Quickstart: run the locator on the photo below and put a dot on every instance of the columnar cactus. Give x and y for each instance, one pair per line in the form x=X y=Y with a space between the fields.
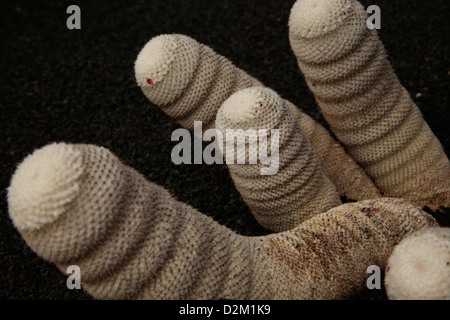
x=346 y=67
x=297 y=189
x=189 y=82
x=419 y=267
x=80 y=205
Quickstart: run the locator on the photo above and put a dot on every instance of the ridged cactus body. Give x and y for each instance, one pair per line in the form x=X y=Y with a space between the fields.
x=190 y=82
x=346 y=67
x=297 y=187
x=133 y=240
x=347 y=176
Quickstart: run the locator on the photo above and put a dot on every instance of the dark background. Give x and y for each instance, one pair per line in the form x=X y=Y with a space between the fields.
x=78 y=86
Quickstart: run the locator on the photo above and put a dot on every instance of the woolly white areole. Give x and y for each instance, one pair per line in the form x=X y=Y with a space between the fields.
x=419 y=267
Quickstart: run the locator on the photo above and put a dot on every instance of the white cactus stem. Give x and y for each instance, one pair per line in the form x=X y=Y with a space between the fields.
x=299 y=189
x=346 y=67
x=132 y=240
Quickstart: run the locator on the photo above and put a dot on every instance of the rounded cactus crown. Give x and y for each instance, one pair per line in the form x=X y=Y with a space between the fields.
x=251 y=108
x=419 y=267
x=165 y=66
x=155 y=60
x=44 y=184
x=312 y=18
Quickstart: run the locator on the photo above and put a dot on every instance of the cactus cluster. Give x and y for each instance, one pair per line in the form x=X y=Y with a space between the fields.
x=78 y=204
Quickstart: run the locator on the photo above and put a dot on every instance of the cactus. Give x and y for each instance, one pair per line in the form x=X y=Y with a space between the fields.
x=419 y=267
x=80 y=205
x=299 y=189
x=189 y=82
x=346 y=68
